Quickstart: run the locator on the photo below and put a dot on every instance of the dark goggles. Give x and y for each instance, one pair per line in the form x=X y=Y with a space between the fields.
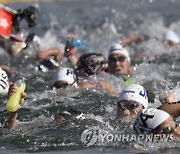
x=168 y=130
x=171 y=43
x=130 y=106
x=119 y=59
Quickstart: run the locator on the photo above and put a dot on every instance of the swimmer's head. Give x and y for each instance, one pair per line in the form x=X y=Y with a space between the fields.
x=64 y=77
x=171 y=38
x=134 y=92
x=68 y=115
x=31 y=15
x=148 y=120
x=167 y=97
x=4 y=83
x=92 y=63
x=119 y=60
x=117 y=48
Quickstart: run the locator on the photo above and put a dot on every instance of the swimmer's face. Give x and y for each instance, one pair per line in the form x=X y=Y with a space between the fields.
x=170 y=43
x=128 y=109
x=60 y=84
x=59 y=119
x=118 y=64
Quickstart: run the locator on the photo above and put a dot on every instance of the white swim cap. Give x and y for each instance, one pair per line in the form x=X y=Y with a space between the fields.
x=66 y=74
x=149 y=119
x=117 y=48
x=4 y=83
x=172 y=36
x=135 y=92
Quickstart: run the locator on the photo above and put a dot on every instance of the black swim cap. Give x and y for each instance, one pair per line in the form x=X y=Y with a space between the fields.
x=92 y=63
x=31 y=15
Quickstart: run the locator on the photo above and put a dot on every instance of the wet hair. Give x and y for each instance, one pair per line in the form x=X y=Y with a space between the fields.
x=92 y=63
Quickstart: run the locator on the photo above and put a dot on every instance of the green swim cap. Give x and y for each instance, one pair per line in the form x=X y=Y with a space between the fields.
x=128 y=81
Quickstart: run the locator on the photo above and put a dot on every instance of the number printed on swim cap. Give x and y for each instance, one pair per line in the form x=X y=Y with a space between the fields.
x=69 y=72
x=4 y=84
x=143 y=93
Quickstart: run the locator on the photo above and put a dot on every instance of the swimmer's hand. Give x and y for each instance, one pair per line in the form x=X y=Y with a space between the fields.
x=11 y=121
x=68 y=51
x=13 y=89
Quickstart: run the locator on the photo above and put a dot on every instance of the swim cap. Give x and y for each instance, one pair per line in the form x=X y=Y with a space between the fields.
x=92 y=63
x=117 y=48
x=66 y=74
x=31 y=15
x=4 y=83
x=136 y=93
x=172 y=36
x=149 y=119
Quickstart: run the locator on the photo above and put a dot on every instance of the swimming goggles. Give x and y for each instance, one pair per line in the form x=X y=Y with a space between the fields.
x=119 y=59
x=130 y=106
x=168 y=130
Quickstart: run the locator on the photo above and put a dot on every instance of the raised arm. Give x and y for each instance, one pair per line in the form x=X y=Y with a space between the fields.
x=69 y=50
x=133 y=39
x=11 y=121
x=54 y=52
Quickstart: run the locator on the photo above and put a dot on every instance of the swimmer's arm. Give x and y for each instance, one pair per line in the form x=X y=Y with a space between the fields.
x=103 y=85
x=132 y=39
x=172 y=108
x=69 y=50
x=11 y=121
x=54 y=52
x=108 y=88
x=85 y=85
x=73 y=60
